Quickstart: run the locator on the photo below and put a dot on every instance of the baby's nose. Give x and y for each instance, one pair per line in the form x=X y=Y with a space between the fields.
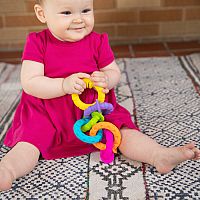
x=77 y=20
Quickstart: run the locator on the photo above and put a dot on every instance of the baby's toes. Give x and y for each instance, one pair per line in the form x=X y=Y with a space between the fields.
x=190 y=145
x=196 y=154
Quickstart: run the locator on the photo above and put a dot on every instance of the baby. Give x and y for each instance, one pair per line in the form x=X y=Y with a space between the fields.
x=54 y=62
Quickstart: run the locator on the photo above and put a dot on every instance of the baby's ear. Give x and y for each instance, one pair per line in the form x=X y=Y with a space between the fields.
x=39 y=13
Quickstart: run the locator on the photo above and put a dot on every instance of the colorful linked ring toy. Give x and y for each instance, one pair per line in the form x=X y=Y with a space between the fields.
x=104 y=107
x=107 y=155
x=96 y=117
x=82 y=136
x=89 y=84
x=111 y=127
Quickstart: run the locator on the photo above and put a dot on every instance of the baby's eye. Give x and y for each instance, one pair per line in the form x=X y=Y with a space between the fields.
x=66 y=13
x=86 y=10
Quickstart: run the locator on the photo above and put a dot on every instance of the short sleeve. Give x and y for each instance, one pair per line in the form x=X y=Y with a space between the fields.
x=34 y=48
x=105 y=53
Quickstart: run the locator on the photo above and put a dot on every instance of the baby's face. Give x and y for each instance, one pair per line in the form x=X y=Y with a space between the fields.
x=69 y=20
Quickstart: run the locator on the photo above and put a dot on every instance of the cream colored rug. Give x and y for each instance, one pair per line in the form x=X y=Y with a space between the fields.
x=163 y=97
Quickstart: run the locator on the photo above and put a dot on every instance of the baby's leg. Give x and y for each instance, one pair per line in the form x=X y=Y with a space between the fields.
x=19 y=161
x=138 y=146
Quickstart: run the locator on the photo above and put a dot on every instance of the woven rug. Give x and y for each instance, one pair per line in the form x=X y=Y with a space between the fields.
x=167 y=99
x=163 y=97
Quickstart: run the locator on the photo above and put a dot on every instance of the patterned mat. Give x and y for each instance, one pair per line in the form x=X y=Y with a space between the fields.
x=10 y=91
x=162 y=95
x=167 y=101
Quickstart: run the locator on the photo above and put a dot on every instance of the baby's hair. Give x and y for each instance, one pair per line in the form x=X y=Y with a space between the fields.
x=38 y=1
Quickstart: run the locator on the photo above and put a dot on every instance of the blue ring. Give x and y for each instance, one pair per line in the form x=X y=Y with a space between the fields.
x=82 y=136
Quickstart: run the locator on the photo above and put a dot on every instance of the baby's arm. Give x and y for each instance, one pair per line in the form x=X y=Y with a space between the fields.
x=108 y=77
x=36 y=84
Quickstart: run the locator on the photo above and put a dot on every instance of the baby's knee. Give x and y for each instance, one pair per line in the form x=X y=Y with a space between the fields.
x=6 y=178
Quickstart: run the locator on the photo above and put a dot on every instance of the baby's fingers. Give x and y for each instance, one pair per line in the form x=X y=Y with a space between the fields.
x=100 y=84
x=81 y=83
x=97 y=74
x=105 y=91
x=98 y=79
x=78 y=89
x=83 y=75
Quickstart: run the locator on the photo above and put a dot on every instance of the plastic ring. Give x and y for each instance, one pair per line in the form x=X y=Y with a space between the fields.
x=82 y=136
x=111 y=127
x=89 y=84
x=96 y=117
x=105 y=107
x=107 y=155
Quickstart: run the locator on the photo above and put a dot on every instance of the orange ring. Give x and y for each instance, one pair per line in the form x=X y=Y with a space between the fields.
x=111 y=127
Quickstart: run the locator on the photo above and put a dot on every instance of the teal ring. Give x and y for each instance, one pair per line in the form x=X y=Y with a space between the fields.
x=82 y=136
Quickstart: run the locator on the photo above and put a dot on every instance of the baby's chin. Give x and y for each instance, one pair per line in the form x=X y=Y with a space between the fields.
x=76 y=39
x=70 y=39
x=78 y=36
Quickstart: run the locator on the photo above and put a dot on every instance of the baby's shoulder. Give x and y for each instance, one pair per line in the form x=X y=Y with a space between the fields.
x=97 y=35
x=38 y=37
x=98 y=38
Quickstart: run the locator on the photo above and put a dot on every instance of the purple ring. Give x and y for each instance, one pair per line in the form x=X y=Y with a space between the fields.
x=105 y=108
x=98 y=106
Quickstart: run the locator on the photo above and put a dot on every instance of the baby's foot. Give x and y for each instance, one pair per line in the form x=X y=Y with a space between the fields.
x=168 y=158
x=6 y=179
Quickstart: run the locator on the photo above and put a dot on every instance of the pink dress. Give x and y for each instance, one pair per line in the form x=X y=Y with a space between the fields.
x=48 y=123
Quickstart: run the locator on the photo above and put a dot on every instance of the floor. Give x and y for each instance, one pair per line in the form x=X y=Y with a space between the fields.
x=157 y=49
x=131 y=51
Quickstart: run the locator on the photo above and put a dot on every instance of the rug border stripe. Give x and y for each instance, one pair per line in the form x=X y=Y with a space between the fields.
x=189 y=73
x=136 y=123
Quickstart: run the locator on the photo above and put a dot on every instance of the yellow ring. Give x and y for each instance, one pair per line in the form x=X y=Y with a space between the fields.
x=89 y=84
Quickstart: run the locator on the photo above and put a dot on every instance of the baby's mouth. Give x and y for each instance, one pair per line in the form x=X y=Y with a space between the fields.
x=77 y=29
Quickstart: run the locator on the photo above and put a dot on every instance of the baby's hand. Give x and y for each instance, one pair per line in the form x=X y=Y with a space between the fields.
x=74 y=84
x=100 y=79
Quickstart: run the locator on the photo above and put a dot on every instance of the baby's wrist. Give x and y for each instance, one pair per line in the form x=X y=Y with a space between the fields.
x=106 y=80
x=63 y=88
